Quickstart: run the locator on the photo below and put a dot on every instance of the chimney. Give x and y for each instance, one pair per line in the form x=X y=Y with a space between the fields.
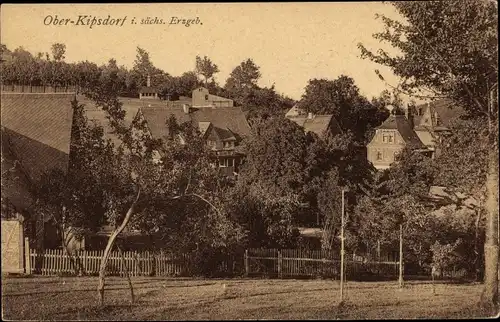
x=185 y=108
x=149 y=81
x=310 y=115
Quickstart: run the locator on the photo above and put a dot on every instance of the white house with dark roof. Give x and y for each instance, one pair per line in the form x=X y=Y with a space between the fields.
x=390 y=138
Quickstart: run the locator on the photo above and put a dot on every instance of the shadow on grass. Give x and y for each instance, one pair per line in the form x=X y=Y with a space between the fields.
x=97 y=312
x=124 y=287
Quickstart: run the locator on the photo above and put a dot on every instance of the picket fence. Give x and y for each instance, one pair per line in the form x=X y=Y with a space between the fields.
x=57 y=261
x=38 y=89
x=313 y=263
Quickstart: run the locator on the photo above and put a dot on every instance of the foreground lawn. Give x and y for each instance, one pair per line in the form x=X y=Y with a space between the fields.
x=73 y=298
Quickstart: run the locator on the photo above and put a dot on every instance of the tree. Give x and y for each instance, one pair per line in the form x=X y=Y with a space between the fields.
x=341 y=98
x=265 y=102
x=205 y=67
x=462 y=166
x=137 y=187
x=58 y=51
x=276 y=156
x=143 y=67
x=243 y=78
x=450 y=48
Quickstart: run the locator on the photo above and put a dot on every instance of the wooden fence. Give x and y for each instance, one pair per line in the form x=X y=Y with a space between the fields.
x=39 y=89
x=57 y=261
x=312 y=263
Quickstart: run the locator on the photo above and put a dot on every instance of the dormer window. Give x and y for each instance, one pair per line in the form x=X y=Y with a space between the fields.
x=388 y=137
x=211 y=144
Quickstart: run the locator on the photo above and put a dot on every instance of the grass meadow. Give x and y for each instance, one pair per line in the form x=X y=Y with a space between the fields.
x=74 y=298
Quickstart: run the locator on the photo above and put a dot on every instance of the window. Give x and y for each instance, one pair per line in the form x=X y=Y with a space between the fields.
x=211 y=144
x=379 y=155
x=228 y=145
x=206 y=97
x=223 y=163
x=388 y=137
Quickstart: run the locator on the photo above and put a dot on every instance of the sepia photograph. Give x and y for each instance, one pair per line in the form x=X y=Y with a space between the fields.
x=249 y=161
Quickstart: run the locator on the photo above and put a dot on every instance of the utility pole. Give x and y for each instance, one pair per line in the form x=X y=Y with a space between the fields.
x=400 y=255
x=342 y=250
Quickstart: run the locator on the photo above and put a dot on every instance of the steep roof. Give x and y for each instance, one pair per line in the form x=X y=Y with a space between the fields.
x=203 y=127
x=401 y=124
x=36 y=131
x=229 y=121
x=156 y=118
x=46 y=118
x=318 y=123
x=97 y=116
x=231 y=118
x=447 y=110
x=294 y=111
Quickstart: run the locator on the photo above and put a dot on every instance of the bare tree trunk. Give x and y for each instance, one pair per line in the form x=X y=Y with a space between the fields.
x=109 y=246
x=476 y=244
x=132 y=297
x=489 y=297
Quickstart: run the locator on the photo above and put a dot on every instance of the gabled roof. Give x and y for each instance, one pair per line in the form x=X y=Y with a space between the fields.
x=231 y=118
x=318 y=123
x=229 y=122
x=401 y=124
x=294 y=111
x=447 y=110
x=203 y=127
x=46 y=118
x=156 y=118
x=36 y=131
x=225 y=134
x=99 y=117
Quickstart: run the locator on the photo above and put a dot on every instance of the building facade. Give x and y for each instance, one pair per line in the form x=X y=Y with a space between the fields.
x=434 y=122
x=390 y=138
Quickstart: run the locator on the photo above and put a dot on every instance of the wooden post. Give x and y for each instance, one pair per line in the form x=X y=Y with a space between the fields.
x=342 y=250
x=280 y=259
x=247 y=268
x=400 y=255
x=378 y=250
x=27 y=256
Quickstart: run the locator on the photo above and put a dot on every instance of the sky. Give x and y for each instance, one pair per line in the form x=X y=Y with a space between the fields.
x=290 y=42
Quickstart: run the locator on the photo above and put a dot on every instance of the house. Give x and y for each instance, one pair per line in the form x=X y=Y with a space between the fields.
x=36 y=132
x=200 y=97
x=434 y=121
x=222 y=128
x=222 y=125
x=319 y=124
x=148 y=92
x=390 y=138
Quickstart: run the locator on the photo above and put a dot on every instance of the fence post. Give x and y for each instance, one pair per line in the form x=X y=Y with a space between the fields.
x=280 y=259
x=247 y=268
x=27 y=256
